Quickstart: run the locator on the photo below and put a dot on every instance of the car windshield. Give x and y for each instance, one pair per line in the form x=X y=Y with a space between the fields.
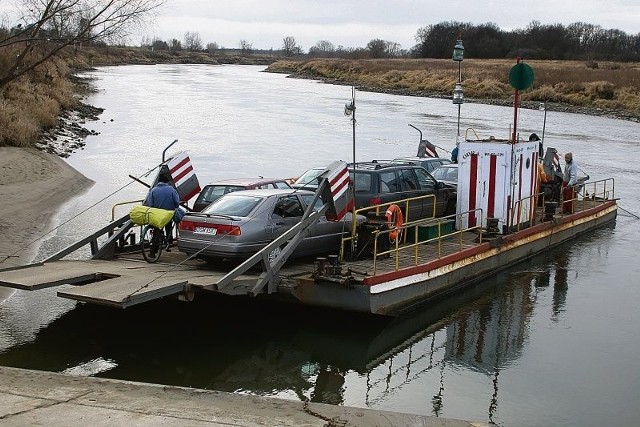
x=445 y=174
x=214 y=192
x=309 y=176
x=233 y=205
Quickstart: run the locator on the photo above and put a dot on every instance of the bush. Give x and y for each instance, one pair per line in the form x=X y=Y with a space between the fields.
x=601 y=90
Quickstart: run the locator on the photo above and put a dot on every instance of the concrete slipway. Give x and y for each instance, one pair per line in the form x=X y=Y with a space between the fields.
x=32 y=398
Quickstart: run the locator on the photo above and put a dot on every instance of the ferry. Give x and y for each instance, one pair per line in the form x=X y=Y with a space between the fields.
x=503 y=216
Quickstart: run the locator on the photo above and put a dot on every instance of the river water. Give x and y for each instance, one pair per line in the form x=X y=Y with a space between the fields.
x=552 y=341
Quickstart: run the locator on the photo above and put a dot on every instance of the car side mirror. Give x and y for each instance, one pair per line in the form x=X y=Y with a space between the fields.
x=440 y=185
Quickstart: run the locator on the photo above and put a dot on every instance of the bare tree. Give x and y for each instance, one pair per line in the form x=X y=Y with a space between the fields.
x=212 y=47
x=379 y=48
x=175 y=45
x=192 y=41
x=246 y=47
x=322 y=48
x=51 y=25
x=290 y=47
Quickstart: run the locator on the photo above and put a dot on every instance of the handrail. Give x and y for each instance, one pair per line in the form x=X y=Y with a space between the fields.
x=472 y=130
x=405 y=202
x=417 y=243
x=601 y=193
x=113 y=208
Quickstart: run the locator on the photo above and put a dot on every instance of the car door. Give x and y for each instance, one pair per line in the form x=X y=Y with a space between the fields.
x=429 y=185
x=324 y=235
x=287 y=212
x=410 y=189
x=390 y=186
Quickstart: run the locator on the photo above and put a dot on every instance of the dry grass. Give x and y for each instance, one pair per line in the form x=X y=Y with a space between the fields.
x=33 y=102
x=606 y=85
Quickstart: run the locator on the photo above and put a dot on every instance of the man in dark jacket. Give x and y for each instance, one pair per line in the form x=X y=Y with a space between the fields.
x=164 y=196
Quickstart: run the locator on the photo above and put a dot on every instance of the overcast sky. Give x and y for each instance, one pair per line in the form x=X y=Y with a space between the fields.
x=264 y=23
x=354 y=23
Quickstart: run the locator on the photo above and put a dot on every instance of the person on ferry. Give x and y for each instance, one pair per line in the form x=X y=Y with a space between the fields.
x=164 y=196
x=569 y=180
x=454 y=153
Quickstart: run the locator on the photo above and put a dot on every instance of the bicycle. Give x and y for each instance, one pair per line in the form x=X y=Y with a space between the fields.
x=152 y=242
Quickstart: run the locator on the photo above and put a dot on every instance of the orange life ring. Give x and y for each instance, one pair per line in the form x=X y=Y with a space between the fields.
x=395 y=219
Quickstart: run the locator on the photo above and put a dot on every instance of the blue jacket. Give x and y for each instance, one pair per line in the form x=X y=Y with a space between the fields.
x=454 y=155
x=162 y=196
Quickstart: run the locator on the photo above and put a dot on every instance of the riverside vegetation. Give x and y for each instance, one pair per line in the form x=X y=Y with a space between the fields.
x=599 y=88
x=41 y=101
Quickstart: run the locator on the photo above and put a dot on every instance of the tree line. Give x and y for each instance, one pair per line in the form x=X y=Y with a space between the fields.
x=48 y=26
x=576 y=41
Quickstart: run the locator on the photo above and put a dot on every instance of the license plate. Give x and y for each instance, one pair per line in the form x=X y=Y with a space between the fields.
x=206 y=230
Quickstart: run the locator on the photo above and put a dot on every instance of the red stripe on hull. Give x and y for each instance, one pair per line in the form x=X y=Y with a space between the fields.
x=492 y=186
x=473 y=178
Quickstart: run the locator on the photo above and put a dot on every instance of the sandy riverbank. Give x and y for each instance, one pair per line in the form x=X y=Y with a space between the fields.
x=33 y=186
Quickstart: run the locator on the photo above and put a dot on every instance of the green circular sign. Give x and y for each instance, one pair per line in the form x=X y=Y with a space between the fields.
x=521 y=76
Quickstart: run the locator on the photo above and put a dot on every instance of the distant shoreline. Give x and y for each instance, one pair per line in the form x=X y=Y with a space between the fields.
x=484 y=82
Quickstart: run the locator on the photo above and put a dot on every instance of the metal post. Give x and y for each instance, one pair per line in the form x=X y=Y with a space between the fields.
x=459 y=105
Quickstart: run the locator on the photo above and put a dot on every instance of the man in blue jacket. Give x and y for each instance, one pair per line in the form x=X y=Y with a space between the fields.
x=164 y=196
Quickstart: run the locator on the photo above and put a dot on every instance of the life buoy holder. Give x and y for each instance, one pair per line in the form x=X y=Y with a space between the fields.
x=395 y=220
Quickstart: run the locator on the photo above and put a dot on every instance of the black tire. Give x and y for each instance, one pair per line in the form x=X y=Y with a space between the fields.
x=151 y=243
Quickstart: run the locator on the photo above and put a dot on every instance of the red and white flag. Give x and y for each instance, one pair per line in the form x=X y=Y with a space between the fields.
x=339 y=197
x=183 y=176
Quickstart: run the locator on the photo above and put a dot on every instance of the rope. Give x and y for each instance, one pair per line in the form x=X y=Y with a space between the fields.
x=630 y=213
x=14 y=254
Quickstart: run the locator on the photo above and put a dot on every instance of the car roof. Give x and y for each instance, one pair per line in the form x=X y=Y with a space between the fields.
x=422 y=160
x=375 y=165
x=246 y=181
x=266 y=192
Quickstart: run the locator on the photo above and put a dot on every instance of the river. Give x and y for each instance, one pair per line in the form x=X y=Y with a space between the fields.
x=552 y=341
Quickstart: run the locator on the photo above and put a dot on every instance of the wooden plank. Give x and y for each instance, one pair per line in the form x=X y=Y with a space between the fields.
x=124 y=292
x=48 y=275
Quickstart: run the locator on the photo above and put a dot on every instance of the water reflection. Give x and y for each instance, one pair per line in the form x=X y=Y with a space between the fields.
x=325 y=356
x=270 y=350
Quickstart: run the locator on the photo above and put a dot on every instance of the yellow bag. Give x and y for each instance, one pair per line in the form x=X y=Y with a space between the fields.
x=143 y=215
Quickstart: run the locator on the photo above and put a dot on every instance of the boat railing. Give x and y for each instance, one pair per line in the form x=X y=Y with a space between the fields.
x=113 y=208
x=524 y=206
x=589 y=195
x=440 y=228
x=380 y=210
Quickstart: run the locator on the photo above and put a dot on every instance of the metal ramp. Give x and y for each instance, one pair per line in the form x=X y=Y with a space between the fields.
x=117 y=283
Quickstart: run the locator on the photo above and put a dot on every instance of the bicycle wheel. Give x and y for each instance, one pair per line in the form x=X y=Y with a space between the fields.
x=150 y=243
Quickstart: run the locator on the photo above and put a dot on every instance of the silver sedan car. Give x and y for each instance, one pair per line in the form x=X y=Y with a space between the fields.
x=239 y=224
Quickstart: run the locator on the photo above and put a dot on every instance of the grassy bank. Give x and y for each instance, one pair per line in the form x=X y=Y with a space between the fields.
x=593 y=88
x=33 y=102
